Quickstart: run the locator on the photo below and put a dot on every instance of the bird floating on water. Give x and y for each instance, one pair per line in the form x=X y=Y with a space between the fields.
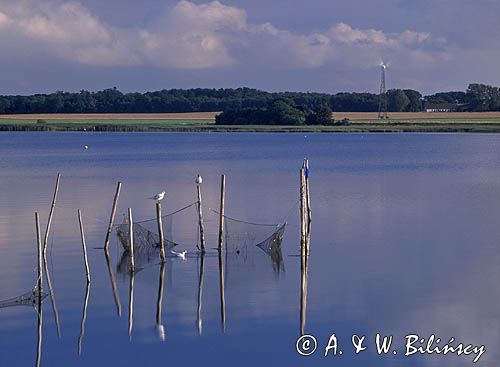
x=181 y=255
x=158 y=197
x=86 y=147
x=199 y=180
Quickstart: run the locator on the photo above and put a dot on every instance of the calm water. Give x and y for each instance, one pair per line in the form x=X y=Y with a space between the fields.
x=405 y=239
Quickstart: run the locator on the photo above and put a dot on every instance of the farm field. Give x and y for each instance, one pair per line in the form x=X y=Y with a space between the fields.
x=205 y=121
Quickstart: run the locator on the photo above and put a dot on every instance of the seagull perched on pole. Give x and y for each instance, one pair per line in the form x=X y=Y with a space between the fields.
x=158 y=197
x=198 y=180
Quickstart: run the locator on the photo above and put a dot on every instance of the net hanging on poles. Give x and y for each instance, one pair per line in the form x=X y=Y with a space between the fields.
x=179 y=227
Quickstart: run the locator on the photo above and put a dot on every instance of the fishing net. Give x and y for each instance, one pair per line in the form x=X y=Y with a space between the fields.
x=247 y=243
x=27 y=299
x=179 y=228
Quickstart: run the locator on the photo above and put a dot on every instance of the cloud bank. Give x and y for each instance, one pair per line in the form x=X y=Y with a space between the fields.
x=205 y=36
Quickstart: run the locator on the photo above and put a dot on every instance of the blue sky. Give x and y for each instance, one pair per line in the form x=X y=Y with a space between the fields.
x=315 y=45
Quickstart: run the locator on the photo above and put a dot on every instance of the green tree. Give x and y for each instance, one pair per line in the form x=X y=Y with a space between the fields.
x=397 y=101
x=321 y=116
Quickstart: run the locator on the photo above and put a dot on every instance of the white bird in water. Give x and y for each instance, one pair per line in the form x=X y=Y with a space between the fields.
x=86 y=147
x=198 y=180
x=158 y=197
x=182 y=254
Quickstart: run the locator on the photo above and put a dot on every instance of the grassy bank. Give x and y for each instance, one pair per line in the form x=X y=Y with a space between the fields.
x=189 y=123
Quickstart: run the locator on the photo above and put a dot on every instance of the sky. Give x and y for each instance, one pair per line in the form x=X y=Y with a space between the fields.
x=276 y=45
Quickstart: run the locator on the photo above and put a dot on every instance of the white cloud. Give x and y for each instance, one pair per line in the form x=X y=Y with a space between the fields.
x=210 y=35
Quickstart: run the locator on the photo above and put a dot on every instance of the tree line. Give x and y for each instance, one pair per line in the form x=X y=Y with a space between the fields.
x=477 y=97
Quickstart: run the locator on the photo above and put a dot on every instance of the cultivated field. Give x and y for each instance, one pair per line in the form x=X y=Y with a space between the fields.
x=115 y=116
x=448 y=117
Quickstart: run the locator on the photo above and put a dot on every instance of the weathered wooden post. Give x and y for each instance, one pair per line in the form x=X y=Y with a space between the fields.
x=112 y=216
x=302 y=209
x=308 y=195
x=84 y=246
x=221 y=211
x=52 y=208
x=131 y=239
x=160 y=231
x=199 y=181
x=40 y=255
x=303 y=290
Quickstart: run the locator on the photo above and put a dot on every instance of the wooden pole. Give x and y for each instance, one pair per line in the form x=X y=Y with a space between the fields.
x=114 y=287
x=221 y=211
x=40 y=256
x=159 y=303
x=200 y=219
x=52 y=208
x=160 y=231
x=112 y=216
x=308 y=195
x=84 y=246
x=131 y=239
x=302 y=209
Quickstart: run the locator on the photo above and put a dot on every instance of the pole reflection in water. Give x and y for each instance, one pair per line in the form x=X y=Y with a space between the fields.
x=304 y=260
x=222 y=296
x=131 y=305
x=114 y=287
x=84 y=318
x=159 y=326
x=39 y=335
x=199 y=320
x=52 y=295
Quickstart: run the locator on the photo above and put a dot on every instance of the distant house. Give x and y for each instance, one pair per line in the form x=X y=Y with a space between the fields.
x=441 y=107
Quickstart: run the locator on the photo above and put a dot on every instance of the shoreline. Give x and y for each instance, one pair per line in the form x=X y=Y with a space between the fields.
x=205 y=122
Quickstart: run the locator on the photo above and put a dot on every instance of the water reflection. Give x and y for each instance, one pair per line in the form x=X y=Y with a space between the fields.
x=39 y=331
x=52 y=295
x=199 y=320
x=84 y=318
x=131 y=304
x=159 y=325
x=114 y=287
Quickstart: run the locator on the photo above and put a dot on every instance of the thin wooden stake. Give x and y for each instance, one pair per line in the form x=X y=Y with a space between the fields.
x=84 y=246
x=221 y=211
x=308 y=195
x=200 y=219
x=52 y=208
x=160 y=231
x=302 y=209
x=112 y=216
x=131 y=240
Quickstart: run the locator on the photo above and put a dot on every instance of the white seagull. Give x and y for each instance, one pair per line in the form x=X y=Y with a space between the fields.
x=198 y=180
x=182 y=254
x=158 y=197
x=86 y=147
